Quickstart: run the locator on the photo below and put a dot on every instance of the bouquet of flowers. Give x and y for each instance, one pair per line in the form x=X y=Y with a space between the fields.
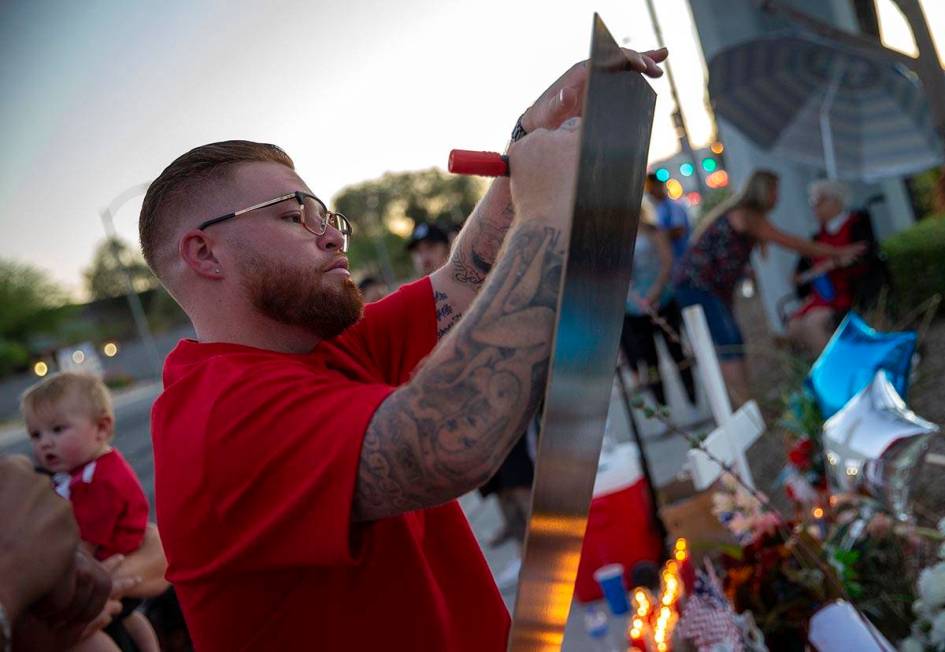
x=779 y=574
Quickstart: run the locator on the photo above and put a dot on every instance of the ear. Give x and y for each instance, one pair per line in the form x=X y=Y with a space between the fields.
x=105 y=425
x=196 y=250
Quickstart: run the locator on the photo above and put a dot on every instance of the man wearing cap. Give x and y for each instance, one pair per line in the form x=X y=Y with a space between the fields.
x=429 y=248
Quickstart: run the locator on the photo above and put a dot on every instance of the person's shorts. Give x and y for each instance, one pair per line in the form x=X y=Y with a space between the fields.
x=726 y=335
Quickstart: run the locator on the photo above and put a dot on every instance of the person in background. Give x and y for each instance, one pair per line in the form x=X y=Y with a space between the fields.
x=70 y=421
x=649 y=296
x=429 y=248
x=372 y=289
x=719 y=256
x=671 y=216
x=828 y=289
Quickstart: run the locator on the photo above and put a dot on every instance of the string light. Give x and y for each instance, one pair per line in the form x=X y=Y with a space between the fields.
x=674 y=189
x=718 y=179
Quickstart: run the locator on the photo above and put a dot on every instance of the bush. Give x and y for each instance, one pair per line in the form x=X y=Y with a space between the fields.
x=916 y=259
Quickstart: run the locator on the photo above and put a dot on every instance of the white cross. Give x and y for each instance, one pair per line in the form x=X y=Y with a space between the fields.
x=735 y=433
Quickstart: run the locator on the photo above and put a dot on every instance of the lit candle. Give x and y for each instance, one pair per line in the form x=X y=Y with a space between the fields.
x=642 y=602
x=686 y=570
x=819 y=521
x=636 y=635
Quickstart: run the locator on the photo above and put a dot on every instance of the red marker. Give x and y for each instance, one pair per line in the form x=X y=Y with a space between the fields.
x=483 y=164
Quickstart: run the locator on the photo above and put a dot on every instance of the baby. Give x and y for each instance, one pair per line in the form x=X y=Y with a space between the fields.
x=70 y=422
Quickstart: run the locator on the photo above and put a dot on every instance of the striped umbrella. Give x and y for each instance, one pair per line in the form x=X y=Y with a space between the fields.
x=854 y=114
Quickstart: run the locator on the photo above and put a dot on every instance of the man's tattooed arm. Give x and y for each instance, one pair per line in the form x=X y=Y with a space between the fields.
x=446 y=315
x=474 y=252
x=447 y=430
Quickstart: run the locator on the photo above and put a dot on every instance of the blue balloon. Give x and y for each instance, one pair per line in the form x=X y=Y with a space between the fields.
x=851 y=359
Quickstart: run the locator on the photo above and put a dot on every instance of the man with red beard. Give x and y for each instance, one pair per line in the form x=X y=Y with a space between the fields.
x=308 y=456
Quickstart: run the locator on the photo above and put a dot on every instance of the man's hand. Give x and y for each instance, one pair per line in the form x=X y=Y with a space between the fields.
x=544 y=171
x=82 y=602
x=79 y=595
x=39 y=537
x=564 y=98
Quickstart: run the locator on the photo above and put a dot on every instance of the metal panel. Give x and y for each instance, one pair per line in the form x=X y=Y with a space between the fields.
x=618 y=117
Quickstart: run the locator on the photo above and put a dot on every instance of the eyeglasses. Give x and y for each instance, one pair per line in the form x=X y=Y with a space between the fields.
x=313 y=216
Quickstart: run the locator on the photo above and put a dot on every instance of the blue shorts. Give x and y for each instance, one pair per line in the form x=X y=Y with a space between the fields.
x=722 y=325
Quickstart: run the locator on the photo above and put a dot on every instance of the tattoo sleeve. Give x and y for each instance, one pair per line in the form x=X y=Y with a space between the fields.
x=447 y=430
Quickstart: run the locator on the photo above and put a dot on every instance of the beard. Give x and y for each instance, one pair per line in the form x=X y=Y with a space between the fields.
x=301 y=298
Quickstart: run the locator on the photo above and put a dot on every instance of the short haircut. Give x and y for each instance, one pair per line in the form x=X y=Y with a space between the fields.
x=830 y=188
x=91 y=392
x=169 y=192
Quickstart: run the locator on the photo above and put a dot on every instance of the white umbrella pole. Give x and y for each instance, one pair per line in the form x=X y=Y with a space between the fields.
x=826 y=134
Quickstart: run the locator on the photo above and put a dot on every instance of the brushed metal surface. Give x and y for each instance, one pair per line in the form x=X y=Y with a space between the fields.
x=618 y=117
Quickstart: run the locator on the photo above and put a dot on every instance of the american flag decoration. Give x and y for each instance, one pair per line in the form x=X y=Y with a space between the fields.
x=708 y=619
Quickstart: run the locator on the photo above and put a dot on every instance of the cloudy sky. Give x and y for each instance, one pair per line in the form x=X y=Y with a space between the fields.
x=100 y=95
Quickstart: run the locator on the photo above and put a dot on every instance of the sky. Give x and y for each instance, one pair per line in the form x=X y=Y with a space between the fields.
x=100 y=95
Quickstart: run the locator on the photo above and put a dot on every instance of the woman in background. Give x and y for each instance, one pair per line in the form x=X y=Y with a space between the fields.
x=718 y=258
x=828 y=290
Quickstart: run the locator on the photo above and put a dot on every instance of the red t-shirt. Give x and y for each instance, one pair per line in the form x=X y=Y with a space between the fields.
x=256 y=457
x=109 y=504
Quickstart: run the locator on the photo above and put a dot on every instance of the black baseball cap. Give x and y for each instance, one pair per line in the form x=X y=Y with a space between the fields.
x=425 y=232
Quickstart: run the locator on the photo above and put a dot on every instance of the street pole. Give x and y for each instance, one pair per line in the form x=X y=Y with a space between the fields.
x=134 y=301
x=682 y=132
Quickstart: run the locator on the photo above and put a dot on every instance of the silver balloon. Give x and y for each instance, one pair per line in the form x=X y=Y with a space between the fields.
x=875 y=443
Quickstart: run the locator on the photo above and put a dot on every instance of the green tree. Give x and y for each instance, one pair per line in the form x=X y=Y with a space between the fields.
x=29 y=299
x=384 y=211
x=104 y=277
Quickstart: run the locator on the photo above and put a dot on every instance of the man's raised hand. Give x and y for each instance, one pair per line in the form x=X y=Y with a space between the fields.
x=564 y=98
